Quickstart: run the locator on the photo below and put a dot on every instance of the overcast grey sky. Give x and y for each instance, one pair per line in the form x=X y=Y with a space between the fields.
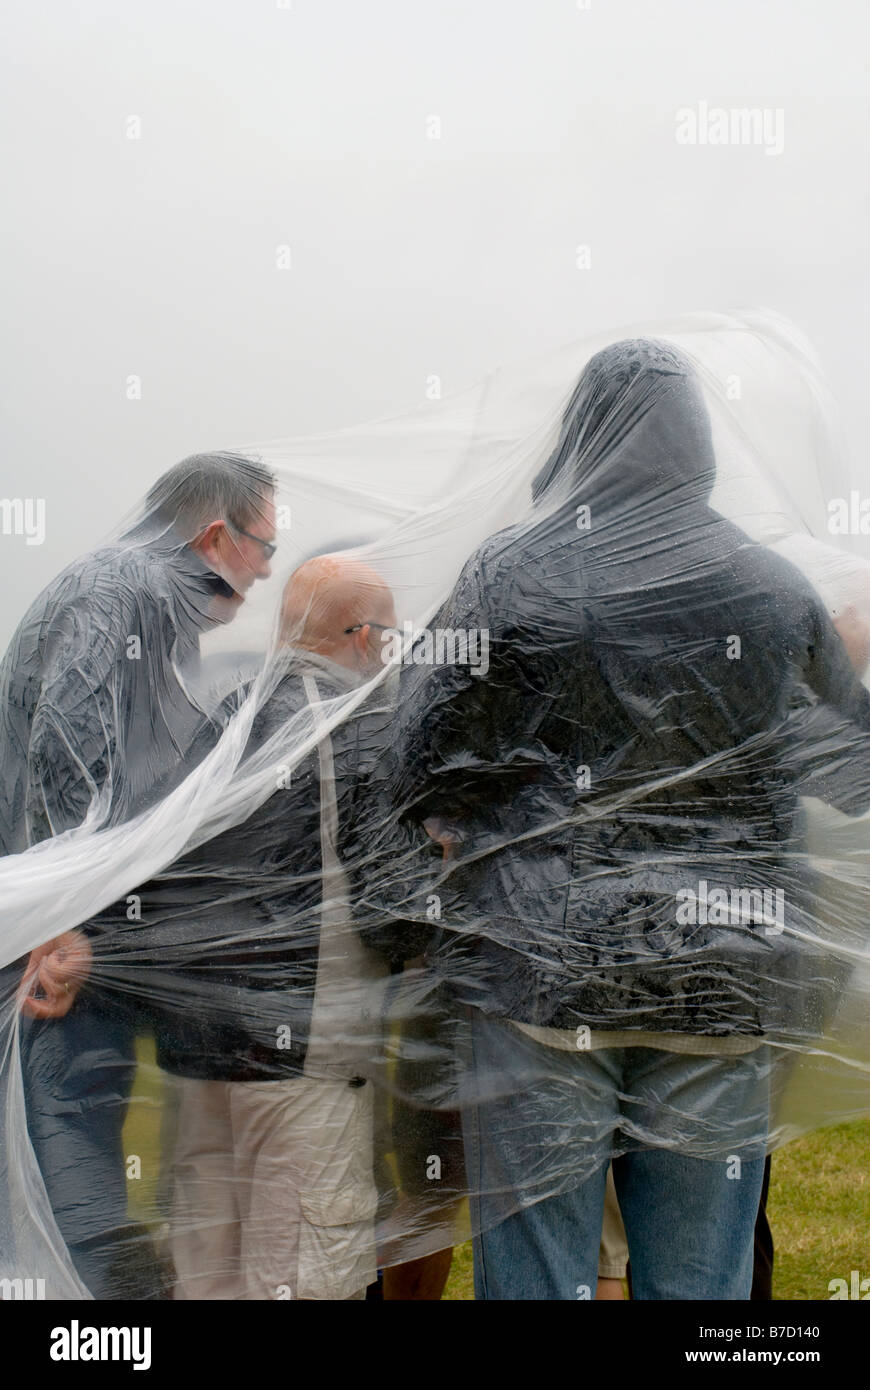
x=310 y=126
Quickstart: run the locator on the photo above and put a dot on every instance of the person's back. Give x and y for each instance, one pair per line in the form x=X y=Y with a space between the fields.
x=641 y=676
x=627 y=914
x=101 y=654
x=660 y=690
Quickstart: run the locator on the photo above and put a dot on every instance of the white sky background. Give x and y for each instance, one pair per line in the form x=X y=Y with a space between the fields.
x=307 y=126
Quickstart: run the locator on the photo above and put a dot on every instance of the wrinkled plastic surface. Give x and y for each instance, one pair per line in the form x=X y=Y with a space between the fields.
x=564 y=857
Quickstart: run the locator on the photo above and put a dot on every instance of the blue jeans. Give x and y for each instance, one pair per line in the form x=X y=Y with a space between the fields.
x=687 y=1137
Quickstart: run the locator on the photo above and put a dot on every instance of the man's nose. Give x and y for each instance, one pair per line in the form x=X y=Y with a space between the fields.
x=264 y=564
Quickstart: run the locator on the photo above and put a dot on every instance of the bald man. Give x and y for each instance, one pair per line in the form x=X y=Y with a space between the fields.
x=269 y=1016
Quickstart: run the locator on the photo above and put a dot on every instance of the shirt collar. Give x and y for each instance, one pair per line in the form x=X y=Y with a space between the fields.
x=299 y=659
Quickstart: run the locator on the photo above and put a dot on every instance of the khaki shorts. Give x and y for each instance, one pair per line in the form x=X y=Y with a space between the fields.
x=273 y=1194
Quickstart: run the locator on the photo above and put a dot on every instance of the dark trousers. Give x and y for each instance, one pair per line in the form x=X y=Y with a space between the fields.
x=762 y=1267
x=77 y=1074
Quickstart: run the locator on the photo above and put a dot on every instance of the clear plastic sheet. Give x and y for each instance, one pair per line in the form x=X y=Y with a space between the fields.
x=401 y=824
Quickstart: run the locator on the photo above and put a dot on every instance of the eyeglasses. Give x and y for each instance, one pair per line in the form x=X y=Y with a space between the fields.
x=383 y=627
x=268 y=546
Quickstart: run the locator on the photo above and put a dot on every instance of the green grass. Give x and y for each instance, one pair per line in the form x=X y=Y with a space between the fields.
x=142 y=1133
x=819 y=1210
x=461 y=1281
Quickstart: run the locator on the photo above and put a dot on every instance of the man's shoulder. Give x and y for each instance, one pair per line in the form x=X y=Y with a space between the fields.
x=111 y=558
x=777 y=576
x=119 y=573
x=288 y=697
x=499 y=551
x=293 y=694
x=108 y=579
x=483 y=571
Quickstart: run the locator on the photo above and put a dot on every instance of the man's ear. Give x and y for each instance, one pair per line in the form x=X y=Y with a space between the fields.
x=361 y=641
x=208 y=542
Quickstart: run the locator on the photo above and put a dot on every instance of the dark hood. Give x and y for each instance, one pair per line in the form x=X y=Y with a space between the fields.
x=635 y=431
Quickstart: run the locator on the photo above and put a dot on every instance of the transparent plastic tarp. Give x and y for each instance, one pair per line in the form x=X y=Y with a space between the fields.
x=400 y=825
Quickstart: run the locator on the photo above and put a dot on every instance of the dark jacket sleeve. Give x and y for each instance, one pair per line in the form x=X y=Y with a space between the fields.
x=836 y=733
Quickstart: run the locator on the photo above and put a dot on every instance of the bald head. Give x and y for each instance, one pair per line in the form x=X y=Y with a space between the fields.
x=329 y=594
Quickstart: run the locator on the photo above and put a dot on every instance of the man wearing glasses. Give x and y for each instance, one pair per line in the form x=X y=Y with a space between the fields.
x=95 y=697
x=270 y=1016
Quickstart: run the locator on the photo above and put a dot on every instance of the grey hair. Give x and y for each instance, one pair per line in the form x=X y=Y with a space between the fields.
x=210 y=487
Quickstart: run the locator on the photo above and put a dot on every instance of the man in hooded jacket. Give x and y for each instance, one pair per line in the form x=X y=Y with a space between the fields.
x=660 y=692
